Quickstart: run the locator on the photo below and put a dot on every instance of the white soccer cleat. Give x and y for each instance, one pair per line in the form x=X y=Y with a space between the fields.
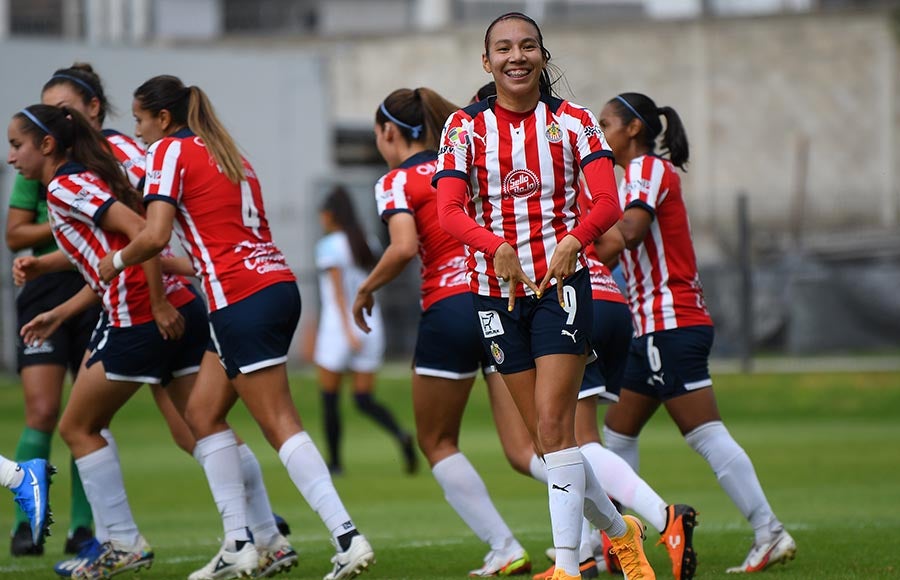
x=353 y=561
x=510 y=562
x=780 y=548
x=225 y=564
x=277 y=557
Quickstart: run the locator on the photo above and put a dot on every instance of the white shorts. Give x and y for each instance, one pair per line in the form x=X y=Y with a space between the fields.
x=333 y=351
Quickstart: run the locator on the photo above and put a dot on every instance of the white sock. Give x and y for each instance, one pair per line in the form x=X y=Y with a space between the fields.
x=10 y=474
x=598 y=508
x=309 y=473
x=736 y=475
x=624 y=446
x=565 y=487
x=466 y=493
x=219 y=456
x=259 y=510
x=624 y=485
x=586 y=550
x=538 y=469
x=101 y=476
x=100 y=530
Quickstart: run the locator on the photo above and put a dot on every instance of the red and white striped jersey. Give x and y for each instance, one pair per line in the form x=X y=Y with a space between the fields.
x=76 y=202
x=130 y=155
x=664 y=289
x=522 y=172
x=603 y=285
x=408 y=189
x=222 y=224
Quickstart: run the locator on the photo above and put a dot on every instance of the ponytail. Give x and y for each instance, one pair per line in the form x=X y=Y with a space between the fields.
x=675 y=138
x=203 y=121
x=340 y=206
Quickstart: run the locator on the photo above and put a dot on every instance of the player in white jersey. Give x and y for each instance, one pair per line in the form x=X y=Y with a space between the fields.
x=507 y=186
x=668 y=362
x=343 y=258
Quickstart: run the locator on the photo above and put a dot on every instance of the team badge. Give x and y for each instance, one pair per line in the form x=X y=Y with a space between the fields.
x=520 y=183
x=490 y=323
x=553 y=133
x=497 y=353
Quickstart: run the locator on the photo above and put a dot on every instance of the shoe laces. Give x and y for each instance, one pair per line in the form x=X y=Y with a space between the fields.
x=629 y=560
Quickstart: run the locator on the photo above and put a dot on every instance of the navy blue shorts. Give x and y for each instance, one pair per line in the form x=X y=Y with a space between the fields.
x=66 y=346
x=256 y=332
x=449 y=344
x=139 y=353
x=670 y=363
x=537 y=326
x=611 y=340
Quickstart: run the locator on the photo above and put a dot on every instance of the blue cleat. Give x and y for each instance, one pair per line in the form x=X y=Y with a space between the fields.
x=90 y=551
x=33 y=496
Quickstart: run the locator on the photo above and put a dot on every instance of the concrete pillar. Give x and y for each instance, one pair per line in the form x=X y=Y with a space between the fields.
x=432 y=14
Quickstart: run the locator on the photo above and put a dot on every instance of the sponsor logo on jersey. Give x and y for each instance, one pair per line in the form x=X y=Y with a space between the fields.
x=490 y=323
x=263 y=257
x=594 y=131
x=520 y=183
x=34 y=348
x=154 y=176
x=497 y=353
x=553 y=133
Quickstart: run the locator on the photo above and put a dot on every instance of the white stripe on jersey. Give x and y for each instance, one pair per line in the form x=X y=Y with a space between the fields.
x=167 y=169
x=211 y=277
x=491 y=141
x=398 y=191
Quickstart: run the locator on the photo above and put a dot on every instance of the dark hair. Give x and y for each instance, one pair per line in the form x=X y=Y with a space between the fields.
x=189 y=106
x=546 y=83
x=81 y=78
x=78 y=141
x=486 y=90
x=630 y=106
x=421 y=111
x=340 y=206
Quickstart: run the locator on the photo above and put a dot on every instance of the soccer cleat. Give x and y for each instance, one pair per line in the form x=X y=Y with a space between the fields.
x=89 y=551
x=78 y=538
x=225 y=564
x=353 y=561
x=679 y=540
x=22 y=543
x=588 y=569
x=510 y=563
x=33 y=496
x=561 y=575
x=629 y=549
x=277 y=557
x=780 y=548
x=115 y=558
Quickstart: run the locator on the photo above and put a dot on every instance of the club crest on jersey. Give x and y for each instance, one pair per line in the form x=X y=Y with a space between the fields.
x=497 y=353
x=553 y=133
x=520 y=183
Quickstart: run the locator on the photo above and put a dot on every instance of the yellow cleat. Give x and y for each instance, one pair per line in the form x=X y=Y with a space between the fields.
x=630 y=551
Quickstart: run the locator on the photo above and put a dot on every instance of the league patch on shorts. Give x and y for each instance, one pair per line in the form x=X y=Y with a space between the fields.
x=497 y=353
x=491 y=325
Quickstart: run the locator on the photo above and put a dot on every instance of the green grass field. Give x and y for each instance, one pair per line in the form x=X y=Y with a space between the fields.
x=826 y=448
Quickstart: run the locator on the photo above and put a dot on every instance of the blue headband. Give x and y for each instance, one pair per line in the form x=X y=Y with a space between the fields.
x=415 y=131
x=633 y=110
x=37 y=122
x=76 y=80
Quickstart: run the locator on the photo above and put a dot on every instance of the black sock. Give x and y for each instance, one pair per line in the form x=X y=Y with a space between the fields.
x=332 y=424
x=378 y=413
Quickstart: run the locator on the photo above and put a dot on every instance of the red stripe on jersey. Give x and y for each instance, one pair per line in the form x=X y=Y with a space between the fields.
x=130 y=155
x=664 y=287
x=222 y=224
